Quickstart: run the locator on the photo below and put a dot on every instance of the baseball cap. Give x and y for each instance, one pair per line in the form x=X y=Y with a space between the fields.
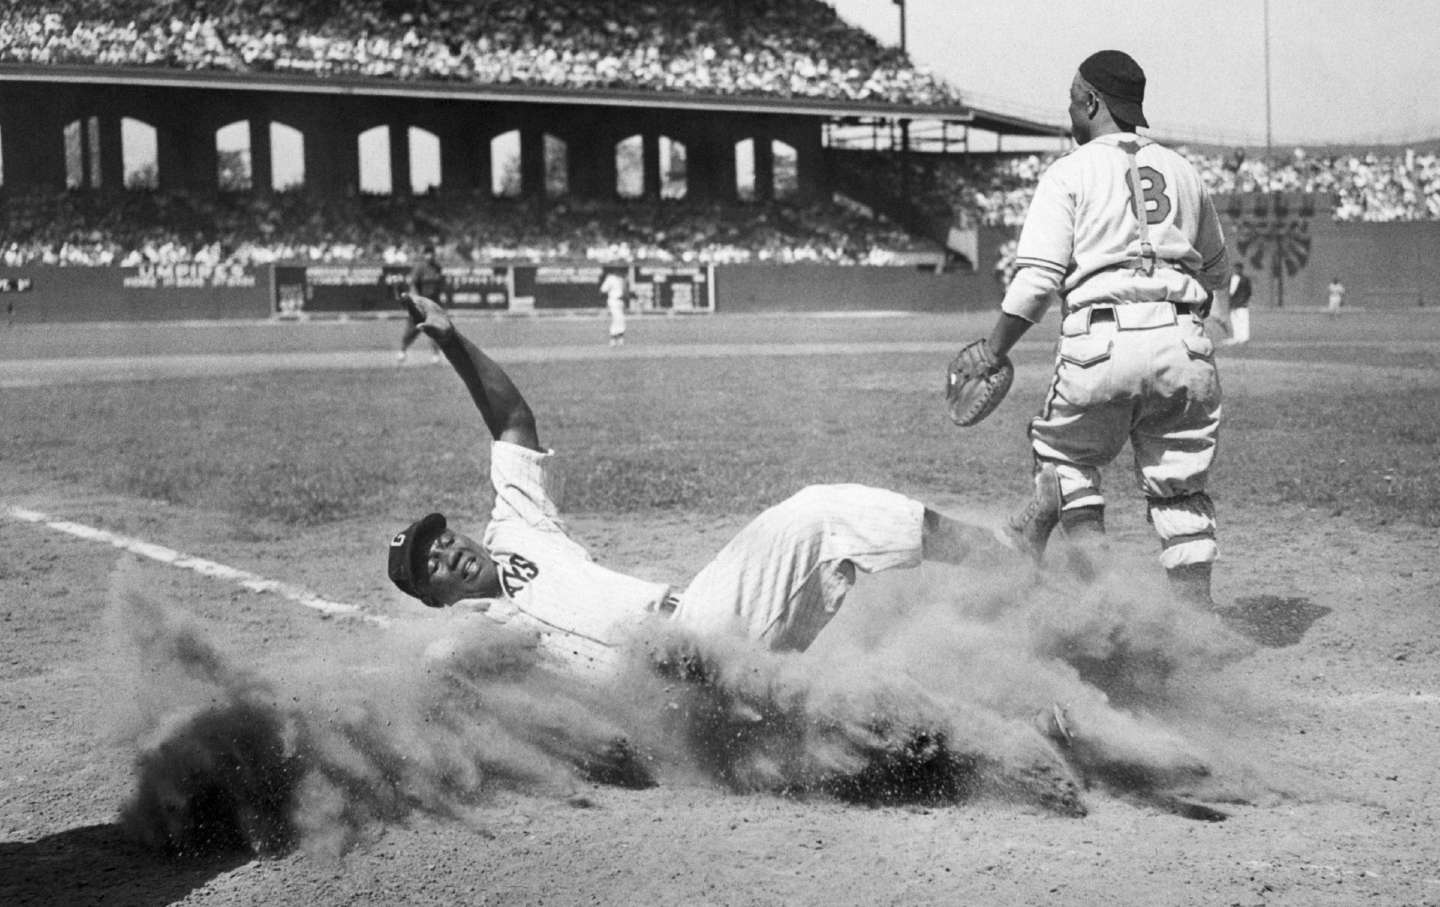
x=1117 y=76
x=409 y=550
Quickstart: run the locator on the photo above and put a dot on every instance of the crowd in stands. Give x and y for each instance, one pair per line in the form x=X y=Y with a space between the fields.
x=785 y=48
x=772 y=48
x=130 y=228
x=138 y=228
x=1376 y=186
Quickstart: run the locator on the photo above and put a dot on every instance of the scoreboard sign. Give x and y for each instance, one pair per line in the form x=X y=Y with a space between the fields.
x=674 y=289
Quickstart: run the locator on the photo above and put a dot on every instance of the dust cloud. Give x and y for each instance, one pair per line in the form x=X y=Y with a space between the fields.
x=319 y=751
x=938 y=691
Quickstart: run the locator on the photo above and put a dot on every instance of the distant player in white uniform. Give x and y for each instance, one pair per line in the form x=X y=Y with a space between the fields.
x=778 y=582
x=1123 y=235
x=616 y=291
x=1336 y=291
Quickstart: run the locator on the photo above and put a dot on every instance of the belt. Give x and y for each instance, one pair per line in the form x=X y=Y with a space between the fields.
x=1149 y=263
x=1127 y=316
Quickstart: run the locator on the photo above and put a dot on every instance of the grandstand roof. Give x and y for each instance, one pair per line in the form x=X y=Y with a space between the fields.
x=341 y=85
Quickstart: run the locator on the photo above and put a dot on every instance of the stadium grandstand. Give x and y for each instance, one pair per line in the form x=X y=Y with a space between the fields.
x=262 y=131
x=672 y=132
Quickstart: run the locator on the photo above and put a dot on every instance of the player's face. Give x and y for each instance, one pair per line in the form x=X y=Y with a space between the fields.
x=1080 y=110
x=458 y=568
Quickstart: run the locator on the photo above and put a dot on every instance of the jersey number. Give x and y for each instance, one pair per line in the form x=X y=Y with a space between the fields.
x=1157 y=203
x=516 y=573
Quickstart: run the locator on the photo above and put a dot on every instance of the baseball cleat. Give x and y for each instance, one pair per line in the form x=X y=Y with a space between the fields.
x=1029 y=530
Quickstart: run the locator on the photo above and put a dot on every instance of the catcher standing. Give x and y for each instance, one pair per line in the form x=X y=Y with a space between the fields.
x=1122 y=233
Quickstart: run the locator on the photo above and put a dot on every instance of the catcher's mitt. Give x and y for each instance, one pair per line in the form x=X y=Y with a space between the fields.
x=976 y=381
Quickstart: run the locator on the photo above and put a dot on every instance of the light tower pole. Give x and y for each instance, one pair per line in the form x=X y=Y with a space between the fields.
x=904 y=123
x=1277 y=263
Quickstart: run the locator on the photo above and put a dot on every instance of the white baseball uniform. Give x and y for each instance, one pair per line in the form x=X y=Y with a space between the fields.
x=1133 y=361
x=1337 y=297
x=779 y=581
x=614 y=289
x=1239 y=314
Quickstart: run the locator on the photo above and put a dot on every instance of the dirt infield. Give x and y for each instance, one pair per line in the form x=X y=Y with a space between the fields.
x=290 y=452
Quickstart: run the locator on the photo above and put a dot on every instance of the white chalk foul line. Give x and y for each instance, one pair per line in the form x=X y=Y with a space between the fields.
x=243 y=578
x=573 y=651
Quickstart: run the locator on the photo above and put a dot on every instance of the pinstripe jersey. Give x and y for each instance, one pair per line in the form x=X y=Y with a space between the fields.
x=769 y=583
x=1082 y=239
x=544 y=573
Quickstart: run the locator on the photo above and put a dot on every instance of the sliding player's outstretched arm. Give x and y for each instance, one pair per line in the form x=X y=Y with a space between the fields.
x=500 y=402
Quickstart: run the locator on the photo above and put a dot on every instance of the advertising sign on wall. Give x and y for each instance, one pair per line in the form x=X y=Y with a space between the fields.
x=357 y=288
x=188 y=276
x=479 y=287
x=674 y=289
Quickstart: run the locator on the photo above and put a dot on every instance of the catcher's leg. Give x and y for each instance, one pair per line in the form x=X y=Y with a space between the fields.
x=1083 y=425
x=1067 y=496
x=1174 y=442
x=1029 y=528
x=1186 y=526
x=1080 y=428
x=1082 y=522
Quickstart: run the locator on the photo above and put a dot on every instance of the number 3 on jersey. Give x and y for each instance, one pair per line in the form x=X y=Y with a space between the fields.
x=1152 y=188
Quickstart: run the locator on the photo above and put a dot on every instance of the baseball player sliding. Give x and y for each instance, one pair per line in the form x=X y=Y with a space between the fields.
x=1123 y=234
x=778 y=582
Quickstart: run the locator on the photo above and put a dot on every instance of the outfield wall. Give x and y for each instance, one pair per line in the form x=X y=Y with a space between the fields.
x=175 y=293
x=830 y=288
x=1391 y=266
x=1383 y=266
x=41 y=295
x=1293 y=247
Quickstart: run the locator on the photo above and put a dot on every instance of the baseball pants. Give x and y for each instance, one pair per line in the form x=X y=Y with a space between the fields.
x=1239 y=325
x=1143 y=373
x=785 y=575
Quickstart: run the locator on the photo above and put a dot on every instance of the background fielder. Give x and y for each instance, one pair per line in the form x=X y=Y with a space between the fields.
x=616 y=290
x=1122 y=233
x=426 y=279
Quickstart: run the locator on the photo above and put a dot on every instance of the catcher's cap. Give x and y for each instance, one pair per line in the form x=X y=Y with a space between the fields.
x=1117 y=76
x=409 y=550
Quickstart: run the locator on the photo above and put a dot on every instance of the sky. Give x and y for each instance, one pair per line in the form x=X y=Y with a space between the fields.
x=1341 y=71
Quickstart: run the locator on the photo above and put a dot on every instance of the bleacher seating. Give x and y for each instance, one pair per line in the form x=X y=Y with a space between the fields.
x=778 y=48
x=1393 y=185
x=783 y=48
x=130 y=228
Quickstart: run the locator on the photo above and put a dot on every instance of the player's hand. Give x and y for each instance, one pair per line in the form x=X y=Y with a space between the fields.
x=430 y=316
